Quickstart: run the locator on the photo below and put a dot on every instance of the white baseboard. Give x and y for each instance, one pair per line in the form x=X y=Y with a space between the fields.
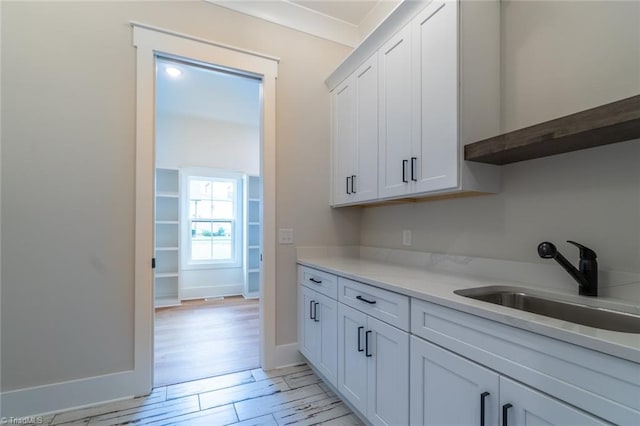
x=211 y=291
x=74 y=394
x=287 y=355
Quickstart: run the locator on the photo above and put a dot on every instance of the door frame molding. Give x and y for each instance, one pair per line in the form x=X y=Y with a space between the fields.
x=150 y=41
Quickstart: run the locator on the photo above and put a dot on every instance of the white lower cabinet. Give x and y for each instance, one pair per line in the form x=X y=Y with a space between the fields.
x=521 y=405
x=373 y=367
x=318 y=338
x=447 y=389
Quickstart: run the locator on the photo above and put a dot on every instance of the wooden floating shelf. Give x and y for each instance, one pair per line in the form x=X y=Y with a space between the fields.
x=611 y=123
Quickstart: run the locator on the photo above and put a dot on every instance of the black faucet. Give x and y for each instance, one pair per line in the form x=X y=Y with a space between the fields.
x=587 y=275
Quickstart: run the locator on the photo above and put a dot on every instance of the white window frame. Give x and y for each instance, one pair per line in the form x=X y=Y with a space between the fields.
x=189 y=173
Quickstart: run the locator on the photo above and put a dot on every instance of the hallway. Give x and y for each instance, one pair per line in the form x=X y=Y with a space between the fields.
x=205 y=338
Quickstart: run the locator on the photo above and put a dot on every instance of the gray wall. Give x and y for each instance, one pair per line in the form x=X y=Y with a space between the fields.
x=68 y=136
x=558 y=58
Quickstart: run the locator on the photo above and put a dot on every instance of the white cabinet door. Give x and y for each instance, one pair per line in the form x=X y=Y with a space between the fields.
x=387 y=350
x=435 y=150
x=344 y=142
x=365 y=178
x=395 y=91
x=309 y=337
x=326 y=316
x=447 y=389
x=524 y=406
x=352 y=362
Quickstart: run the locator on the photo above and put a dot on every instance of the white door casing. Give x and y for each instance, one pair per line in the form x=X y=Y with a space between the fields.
x=149 y=42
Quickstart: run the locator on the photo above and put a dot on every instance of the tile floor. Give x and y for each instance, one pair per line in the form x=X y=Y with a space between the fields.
x=288 y=396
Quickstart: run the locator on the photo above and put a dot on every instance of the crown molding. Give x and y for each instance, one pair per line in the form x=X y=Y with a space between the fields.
x=297 y=17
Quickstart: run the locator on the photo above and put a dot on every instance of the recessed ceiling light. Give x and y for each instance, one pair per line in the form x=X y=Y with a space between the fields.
x=173 y=71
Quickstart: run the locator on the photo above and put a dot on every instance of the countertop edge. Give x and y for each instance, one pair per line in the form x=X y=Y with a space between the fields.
x=612 y=343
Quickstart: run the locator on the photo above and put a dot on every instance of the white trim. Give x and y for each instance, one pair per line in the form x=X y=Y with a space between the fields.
x=287 y=355
x=74 y=394
x=211 y=291
x=149 y=41
x=202 y=40
x=298 y=17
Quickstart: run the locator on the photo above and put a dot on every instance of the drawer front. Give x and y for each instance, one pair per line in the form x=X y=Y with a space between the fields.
x=319 y=281
x=387 y=306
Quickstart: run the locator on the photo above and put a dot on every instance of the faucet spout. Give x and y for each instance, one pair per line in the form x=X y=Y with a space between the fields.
x=587 y=272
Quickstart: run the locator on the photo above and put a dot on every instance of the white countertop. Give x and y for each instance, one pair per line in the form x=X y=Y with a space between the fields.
x=439 y=288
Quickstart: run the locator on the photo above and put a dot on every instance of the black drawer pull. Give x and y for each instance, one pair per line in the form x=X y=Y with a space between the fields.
x=311 y=309
x=413 y=168
x=505 y=416
x=371 y=302
x=366 y=344
x=313 y=280
x=348 y=192
x=360 y=334
x=483 y=395
x=404 y=171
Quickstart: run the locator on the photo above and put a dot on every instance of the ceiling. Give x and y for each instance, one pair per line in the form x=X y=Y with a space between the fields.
x=343 y=21
x=353 y=11
x=207 y=94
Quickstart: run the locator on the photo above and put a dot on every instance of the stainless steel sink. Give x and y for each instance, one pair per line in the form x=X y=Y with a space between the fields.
x=524 y=300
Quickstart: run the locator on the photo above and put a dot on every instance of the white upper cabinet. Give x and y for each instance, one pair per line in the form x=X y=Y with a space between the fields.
x=395 y=115
x=355 y=136
x=435 y=111
x=438 y=89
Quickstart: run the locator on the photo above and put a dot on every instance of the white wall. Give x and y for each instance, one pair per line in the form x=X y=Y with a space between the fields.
x=68 y=103
x=184 y=141
x=187 y=141
x=558 y=58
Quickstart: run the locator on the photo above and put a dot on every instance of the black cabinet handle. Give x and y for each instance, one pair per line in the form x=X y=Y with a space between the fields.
x=404 y=171
x=311 y=309
x=505 y=412
x=359 y=334
x=413 y=169
x=348 y=185
x=483 y=395
x=353 y=184
x=371 y=302
x=315 y=312
x=313 y=280
x=366 y=344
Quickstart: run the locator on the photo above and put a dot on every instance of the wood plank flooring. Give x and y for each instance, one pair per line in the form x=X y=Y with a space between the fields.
x=288 y=396
x=206 y=338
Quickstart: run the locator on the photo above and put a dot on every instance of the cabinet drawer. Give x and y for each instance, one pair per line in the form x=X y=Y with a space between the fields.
x=319 y=281
x=387 y=306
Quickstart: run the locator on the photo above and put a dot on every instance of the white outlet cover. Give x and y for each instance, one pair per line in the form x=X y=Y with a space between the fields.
x=285 y=236
x=406 y=237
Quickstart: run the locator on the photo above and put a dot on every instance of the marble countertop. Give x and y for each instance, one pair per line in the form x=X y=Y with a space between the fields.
x=439 y=288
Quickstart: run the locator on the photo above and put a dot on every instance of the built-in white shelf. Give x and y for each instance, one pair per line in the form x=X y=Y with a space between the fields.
x=253 y=235
x=167 y=250
x=166 y=194
x=166 y=301
x=167 y=275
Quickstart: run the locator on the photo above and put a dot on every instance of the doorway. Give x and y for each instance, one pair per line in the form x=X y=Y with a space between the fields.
x=207 y=221
x=149 y=42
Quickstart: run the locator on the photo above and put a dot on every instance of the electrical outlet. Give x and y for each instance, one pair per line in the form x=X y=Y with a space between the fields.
x=406 y=237
x=286 y=236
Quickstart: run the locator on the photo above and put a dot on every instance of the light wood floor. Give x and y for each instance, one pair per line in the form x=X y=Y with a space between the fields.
x=288 y=396
x=206 y=338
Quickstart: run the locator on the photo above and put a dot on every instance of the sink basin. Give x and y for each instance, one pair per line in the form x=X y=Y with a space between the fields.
x=524 y=300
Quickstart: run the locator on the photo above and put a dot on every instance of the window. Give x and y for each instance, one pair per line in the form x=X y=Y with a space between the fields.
x=212 y=220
